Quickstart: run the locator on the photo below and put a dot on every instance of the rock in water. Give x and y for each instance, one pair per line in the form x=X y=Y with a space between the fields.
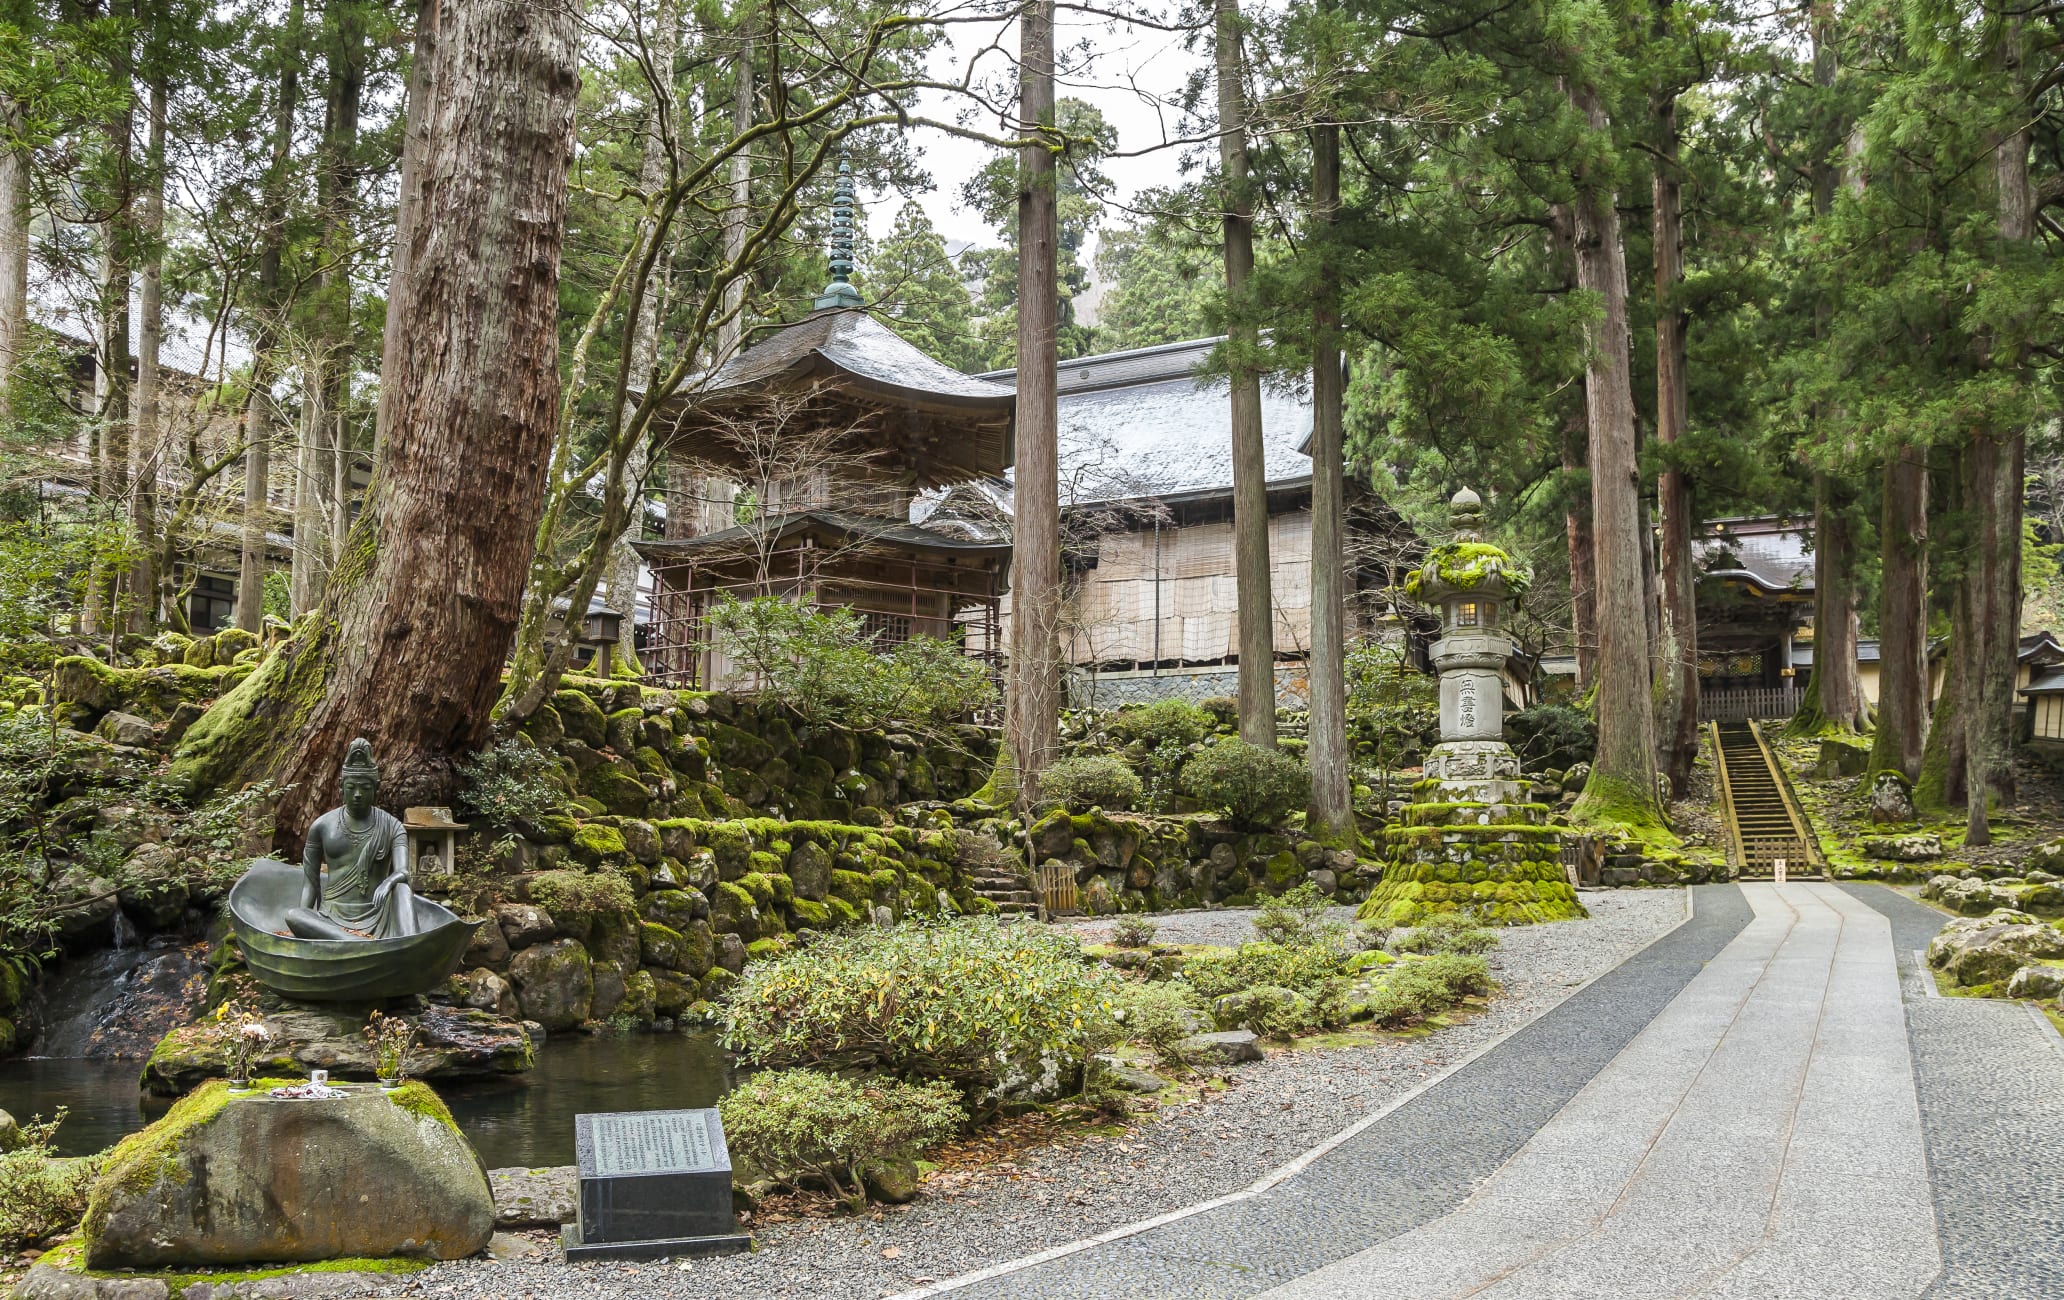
x=229 y=1179
x=451 y=1043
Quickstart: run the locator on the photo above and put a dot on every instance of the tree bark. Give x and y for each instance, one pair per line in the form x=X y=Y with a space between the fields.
x=112 y=380
x=1332 y=808
x=407 y=648
x=311 y=564
x=1562 y=241
x=1256 y=616
x=1036 y=685
x=1834 y=688
x=415 y=178
x=1902 y=721
x=146 y=442
x=14 y=256
x=1995 y=468
x=1677 y=646
x=345 y=59
x=261 y=420
x=1622 y=787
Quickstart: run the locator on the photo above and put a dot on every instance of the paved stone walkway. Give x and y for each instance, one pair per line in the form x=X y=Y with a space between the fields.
x=1747 y=1108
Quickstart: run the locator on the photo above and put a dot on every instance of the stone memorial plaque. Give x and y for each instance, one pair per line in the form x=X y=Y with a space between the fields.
x=652 y=1184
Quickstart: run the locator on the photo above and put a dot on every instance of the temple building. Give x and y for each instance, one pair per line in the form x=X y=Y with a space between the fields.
x=815 y=441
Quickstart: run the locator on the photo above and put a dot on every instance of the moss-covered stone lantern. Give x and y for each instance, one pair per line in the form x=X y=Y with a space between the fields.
x=1472 y=841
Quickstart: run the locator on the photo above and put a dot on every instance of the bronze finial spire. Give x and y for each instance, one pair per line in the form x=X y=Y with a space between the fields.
x=840 y=292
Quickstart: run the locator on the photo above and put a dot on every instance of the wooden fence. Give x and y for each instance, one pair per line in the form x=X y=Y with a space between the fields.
x=1755 y=703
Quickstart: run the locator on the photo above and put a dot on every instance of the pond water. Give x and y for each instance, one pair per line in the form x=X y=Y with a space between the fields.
x=524 y=1120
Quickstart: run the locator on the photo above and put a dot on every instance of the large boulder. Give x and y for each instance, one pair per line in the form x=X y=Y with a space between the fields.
x=1902 y=848
x=225 y=1179
x=554 y=982
x=1977 y=898
x=1891 y=799
x=1989 y=949
x=450 y=1043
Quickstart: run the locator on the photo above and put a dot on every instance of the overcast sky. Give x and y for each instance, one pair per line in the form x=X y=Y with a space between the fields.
x=1133 y=74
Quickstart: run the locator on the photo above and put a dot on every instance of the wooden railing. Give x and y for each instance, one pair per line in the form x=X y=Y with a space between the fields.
x=1753 y=703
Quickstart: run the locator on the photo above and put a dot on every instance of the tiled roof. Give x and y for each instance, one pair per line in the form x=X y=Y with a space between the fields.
x=1142 y=423
x=1771 y=554
x=860 y=345
x=65 y=306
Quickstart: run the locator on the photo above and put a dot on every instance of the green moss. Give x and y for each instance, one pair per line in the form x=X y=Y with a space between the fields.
x=1465 y=566
x=810 y=915
x=230 y=743
x=763 y=949
x=594 y=842
x=69 y=1256
x=147 y=1158
x=581 y=717
x=1619 y=805
x=421 y=1100
x=617 y=785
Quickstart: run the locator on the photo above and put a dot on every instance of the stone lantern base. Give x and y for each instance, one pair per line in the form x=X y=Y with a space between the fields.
x=1473 y=844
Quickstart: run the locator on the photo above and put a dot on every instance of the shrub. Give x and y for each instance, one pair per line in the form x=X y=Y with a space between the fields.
x=1449 y=932
x=508 y=783
x=1090 y=781
x=1164 y=722
x=1298 y=917
x=578 y=895
x=822 y=663
x=1464 y=975
x=804 y=1124
x=1255 y=786
x=967 y=1000
x=41 y=1195
x=1552 y=735
x=1133 y=931
x=1407 y=995
x=1302 y=968
x=1159 y=1015
x=1224 y=709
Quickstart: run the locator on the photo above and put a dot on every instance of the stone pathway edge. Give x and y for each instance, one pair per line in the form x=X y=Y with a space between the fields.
x=1292 y=1168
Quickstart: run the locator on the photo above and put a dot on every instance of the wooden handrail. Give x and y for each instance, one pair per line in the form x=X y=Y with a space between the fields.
x=1736 y=856
x=1807 y=840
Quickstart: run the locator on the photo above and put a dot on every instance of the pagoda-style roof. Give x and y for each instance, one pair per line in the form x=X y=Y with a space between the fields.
x=838 y=528
x=936 y=424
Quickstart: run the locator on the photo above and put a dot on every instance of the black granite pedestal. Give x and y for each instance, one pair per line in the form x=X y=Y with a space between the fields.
x=653 y=1184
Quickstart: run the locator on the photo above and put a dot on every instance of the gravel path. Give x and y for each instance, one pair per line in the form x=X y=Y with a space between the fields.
x=1277 y=1109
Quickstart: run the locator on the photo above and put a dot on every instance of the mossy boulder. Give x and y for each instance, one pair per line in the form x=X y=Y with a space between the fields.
x=616 y=785
x=554 y=983
x=662 y=946
x=581 y=717
x=227 y=1178
x=594 y=843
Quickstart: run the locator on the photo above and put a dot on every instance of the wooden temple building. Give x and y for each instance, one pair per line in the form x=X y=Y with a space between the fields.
x=822 y=434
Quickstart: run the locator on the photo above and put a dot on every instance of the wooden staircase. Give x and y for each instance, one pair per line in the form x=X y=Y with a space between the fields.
x=1764 y=821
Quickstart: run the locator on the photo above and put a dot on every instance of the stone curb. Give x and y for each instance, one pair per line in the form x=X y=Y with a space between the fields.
x=1287 y=1171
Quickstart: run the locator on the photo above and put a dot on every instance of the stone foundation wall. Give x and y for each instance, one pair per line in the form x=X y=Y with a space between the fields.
x=1129 y=862
x=1110 y=690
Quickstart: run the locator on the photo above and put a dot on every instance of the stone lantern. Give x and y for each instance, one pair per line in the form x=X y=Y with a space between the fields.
x=1471 y=582
x=1471 y=841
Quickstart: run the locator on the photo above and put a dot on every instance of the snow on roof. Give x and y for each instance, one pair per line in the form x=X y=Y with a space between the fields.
x=1142 y=423
x=65 y=305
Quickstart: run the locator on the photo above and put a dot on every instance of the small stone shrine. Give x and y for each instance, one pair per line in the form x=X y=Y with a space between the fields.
x=1471 y=841
x=653 y=1184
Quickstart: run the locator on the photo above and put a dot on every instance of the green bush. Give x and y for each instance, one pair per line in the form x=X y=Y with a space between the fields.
x=1552 y=736
x=1164 y=722
x=1302 y=968
x=1257 y=787
x=967 y=1000
x=1456 y=932
x=577 y=895
x=1298 y=917
x=798 y=1125
x=823 y=663
x=1412 y=991
x=1392 y=707
x=1159 y=1015
x=1133 y=931
x=1090 y=781
x=1224 y=709
x=508 y=783
x=41 y=1195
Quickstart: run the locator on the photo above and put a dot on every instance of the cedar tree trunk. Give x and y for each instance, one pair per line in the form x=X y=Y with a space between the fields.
x=1256 y=614
x=1902 y=616
x=1622 y=787
x=408 y=645
x=1332 y=808
x=1677 y=647
x=1034 y=704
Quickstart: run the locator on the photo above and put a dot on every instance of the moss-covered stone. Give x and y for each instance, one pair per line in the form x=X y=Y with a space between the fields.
x=582 y=717
x=616 y=785
x=810 y=915
x=595 y=843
